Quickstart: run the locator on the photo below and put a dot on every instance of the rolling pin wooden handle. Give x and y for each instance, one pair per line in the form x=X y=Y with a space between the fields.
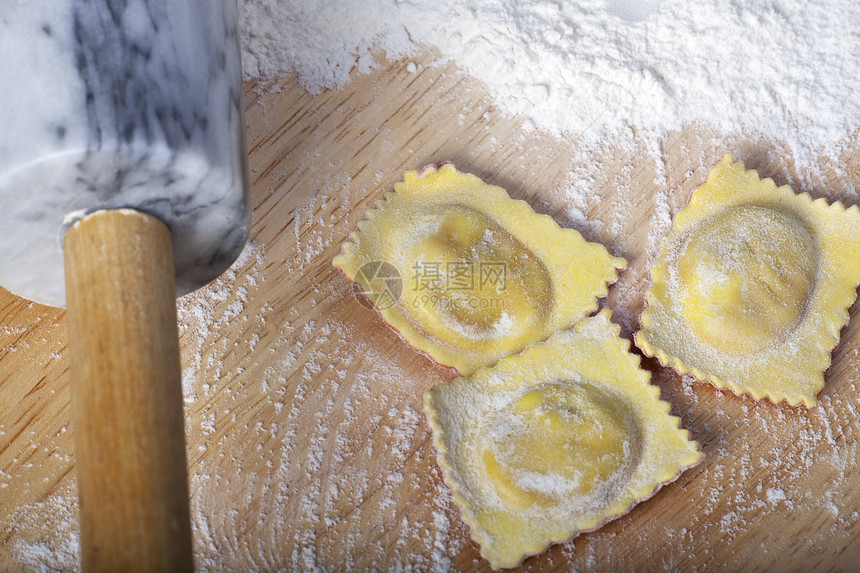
x=127 y=394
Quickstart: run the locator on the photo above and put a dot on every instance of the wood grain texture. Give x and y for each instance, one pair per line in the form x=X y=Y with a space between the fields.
x=126 y=394
x=306 y=441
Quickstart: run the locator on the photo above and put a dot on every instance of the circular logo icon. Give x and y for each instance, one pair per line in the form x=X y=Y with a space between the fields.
x=377 y=284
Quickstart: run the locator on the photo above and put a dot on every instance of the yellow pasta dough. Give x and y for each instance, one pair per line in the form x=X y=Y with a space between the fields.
x=554 y=441
x=752 y=286
x=480 y=275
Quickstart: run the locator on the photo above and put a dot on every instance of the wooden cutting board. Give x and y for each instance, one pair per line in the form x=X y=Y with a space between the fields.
x=307 y=443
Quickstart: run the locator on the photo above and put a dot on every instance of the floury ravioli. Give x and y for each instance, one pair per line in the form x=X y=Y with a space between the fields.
x=555 y=441
x=483 y=276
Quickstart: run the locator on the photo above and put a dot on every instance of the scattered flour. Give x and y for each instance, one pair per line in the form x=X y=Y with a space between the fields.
x=775 y=494
x=593 y=69
x=321 y=42
x=211 y=310
x=45 y=535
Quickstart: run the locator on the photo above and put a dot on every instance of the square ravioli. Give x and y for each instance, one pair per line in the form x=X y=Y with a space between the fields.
x=752 y=287
x=467 y=275
x=554 y=441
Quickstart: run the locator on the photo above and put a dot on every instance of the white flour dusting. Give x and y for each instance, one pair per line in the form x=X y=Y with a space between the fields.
x=45 y=536
x=321 y=42
x=775 y=494
x=594 y=68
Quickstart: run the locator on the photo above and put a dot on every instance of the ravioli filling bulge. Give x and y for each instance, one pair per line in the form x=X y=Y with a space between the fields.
x=746 y=277
x=560 y=441
x=506 y=295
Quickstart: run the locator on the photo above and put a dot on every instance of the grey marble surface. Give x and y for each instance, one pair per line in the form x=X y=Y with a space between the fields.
x=119 y=103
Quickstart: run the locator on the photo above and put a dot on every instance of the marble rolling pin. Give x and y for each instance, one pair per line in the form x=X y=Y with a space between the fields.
x=123 y=184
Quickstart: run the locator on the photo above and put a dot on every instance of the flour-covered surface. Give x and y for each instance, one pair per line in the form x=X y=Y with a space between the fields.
x=307 y=443
x=595 y=69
